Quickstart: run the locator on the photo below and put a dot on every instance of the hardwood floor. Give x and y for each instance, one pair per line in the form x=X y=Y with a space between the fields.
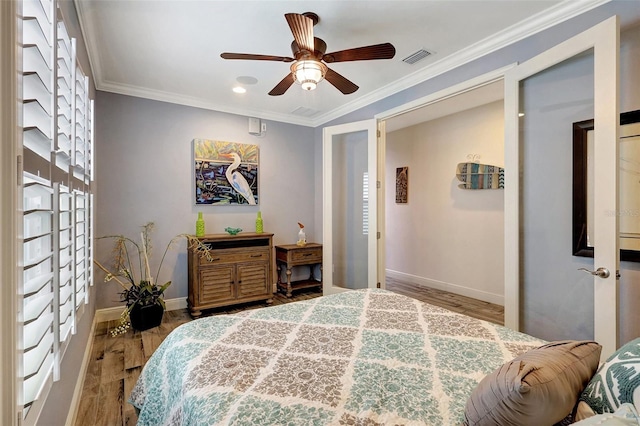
x=116 y=362
x=454 y=302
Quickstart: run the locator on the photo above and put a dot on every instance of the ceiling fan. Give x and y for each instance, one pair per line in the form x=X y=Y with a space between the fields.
x=309 y=57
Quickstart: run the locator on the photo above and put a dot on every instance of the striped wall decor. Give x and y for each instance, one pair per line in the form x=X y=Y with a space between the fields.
x=480 y=176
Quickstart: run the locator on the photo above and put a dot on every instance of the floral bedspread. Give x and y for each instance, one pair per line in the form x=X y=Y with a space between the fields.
x=363 y=357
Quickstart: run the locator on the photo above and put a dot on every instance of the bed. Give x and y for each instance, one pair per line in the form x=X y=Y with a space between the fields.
x=362 y=357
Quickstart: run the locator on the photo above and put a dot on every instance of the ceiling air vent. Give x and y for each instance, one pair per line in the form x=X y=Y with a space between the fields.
x=305 y=112
x=416 y=56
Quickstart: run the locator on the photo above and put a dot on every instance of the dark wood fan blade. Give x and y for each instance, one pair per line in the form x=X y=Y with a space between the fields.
x=227 y=55
x=302 y=29
x=282 y=86
x=366 y=53
x=339 y=82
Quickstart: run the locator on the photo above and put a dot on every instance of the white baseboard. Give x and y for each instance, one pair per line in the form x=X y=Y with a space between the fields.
x=498 y=299
x=176 y=304
x=108 y=314
x=77 y=392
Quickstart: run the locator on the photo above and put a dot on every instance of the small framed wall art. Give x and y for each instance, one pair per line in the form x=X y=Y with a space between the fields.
x=225 y=173
x=402 y=185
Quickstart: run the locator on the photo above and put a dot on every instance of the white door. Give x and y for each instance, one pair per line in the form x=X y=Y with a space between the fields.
x=349 y=207
x=545 y=293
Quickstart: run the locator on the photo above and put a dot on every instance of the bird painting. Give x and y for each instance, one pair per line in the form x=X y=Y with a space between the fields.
x=236 y=180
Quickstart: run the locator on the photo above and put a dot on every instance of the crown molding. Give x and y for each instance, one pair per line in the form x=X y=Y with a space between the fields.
x=557 y=14
x=158 y=95
x=82 y=9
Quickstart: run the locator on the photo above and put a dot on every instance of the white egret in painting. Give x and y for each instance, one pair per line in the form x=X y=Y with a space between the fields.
x=236 y=180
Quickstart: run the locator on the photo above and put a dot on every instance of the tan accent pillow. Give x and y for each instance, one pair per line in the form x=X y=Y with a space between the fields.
x=540 y=387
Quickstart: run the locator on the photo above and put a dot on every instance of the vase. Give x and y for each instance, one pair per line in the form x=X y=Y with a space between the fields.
x=259 y=224
x=200 y=225
x=302 y=238
x=146 y=317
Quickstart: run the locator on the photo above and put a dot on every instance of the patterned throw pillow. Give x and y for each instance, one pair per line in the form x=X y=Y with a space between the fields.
x=616 y=381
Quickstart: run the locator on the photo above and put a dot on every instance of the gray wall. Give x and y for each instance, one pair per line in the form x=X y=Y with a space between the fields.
x=145 y=171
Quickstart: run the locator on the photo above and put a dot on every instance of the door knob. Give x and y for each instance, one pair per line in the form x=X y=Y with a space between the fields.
x=601 y=272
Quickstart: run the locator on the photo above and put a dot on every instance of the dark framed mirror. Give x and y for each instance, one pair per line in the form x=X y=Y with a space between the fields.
x=629 y=204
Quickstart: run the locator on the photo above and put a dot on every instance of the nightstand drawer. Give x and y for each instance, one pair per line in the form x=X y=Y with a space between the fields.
x=307 y=255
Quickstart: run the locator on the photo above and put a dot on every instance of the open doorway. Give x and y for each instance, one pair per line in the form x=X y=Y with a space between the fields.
x=445 y=243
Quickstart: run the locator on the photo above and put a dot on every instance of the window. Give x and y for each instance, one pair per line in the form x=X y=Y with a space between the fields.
x=57 y=130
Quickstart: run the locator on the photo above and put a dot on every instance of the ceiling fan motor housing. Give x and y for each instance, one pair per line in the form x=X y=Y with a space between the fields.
x=313 y=16
x=319 y=48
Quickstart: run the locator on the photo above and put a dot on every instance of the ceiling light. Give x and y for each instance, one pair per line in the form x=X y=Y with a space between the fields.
x=239 y=89
x=308 y=73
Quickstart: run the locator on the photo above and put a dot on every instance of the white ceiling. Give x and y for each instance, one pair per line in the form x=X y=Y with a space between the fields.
x=169 y=50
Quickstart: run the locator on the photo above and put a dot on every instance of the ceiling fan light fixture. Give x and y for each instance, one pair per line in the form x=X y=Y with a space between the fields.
x=308 y=73
x=309 y=56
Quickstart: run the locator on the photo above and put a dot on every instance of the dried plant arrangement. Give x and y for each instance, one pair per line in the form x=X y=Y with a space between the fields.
x=131 y=270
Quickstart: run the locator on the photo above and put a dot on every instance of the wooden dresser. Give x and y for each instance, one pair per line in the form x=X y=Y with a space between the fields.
x=241 y=270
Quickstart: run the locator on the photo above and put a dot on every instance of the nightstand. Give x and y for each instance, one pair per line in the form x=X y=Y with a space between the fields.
x=290 y=255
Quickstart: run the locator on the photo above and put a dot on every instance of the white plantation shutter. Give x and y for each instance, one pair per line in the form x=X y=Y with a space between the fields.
x=80 y=249
x=90 y=132
x=80 y=172
x=37 y=78
x=63 y=225
x=38 y=293
x=89 y=238
x=80 y=131
x=57 y=231
x=65 y=65
x=37 y=311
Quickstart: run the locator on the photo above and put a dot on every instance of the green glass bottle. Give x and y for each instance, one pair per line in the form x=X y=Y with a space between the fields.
x=200 y=225
x=259 y=224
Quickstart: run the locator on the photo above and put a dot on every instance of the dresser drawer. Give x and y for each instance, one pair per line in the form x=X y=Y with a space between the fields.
x=217 y=257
